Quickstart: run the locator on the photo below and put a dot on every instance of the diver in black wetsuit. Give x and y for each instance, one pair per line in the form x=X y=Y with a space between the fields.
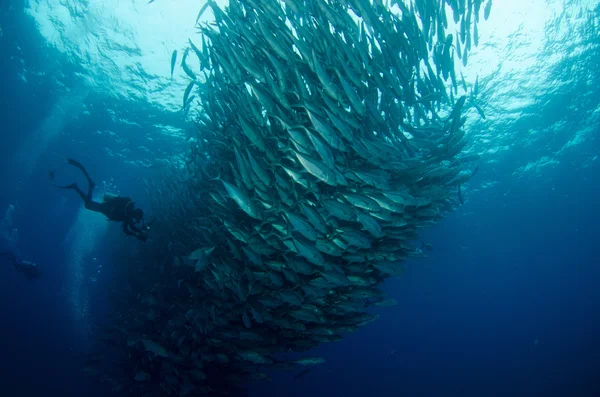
x=29 y=269
x=115 y=208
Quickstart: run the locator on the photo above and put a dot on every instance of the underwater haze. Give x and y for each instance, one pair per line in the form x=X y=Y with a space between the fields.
x=501 y=296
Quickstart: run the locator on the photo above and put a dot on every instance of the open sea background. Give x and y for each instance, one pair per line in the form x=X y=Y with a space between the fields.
x=507 y=302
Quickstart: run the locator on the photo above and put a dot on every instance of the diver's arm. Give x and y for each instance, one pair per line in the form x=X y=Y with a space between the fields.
x=126 y=229
x=142 y=236
x=134 y=228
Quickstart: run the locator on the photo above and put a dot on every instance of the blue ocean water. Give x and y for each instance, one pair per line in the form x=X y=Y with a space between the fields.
x=506 y=303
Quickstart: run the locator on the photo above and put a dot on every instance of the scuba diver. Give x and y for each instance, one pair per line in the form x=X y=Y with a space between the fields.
x=29 y=269
x=115 y=208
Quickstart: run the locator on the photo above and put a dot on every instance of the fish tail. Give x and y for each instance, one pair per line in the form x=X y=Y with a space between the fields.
x=210 y=178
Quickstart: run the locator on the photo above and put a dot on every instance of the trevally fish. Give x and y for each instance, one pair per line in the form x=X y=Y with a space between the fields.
x=173 y=61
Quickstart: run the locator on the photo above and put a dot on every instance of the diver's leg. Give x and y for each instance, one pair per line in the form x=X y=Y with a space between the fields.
x=87 y=198
x=91 y=183
x=96 y=207
x=73 y=186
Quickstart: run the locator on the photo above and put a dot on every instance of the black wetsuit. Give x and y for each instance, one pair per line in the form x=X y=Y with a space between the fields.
x=118 y=209
x=29 y=269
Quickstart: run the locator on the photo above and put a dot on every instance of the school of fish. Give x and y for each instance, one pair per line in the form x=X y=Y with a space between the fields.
x=328 y=133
